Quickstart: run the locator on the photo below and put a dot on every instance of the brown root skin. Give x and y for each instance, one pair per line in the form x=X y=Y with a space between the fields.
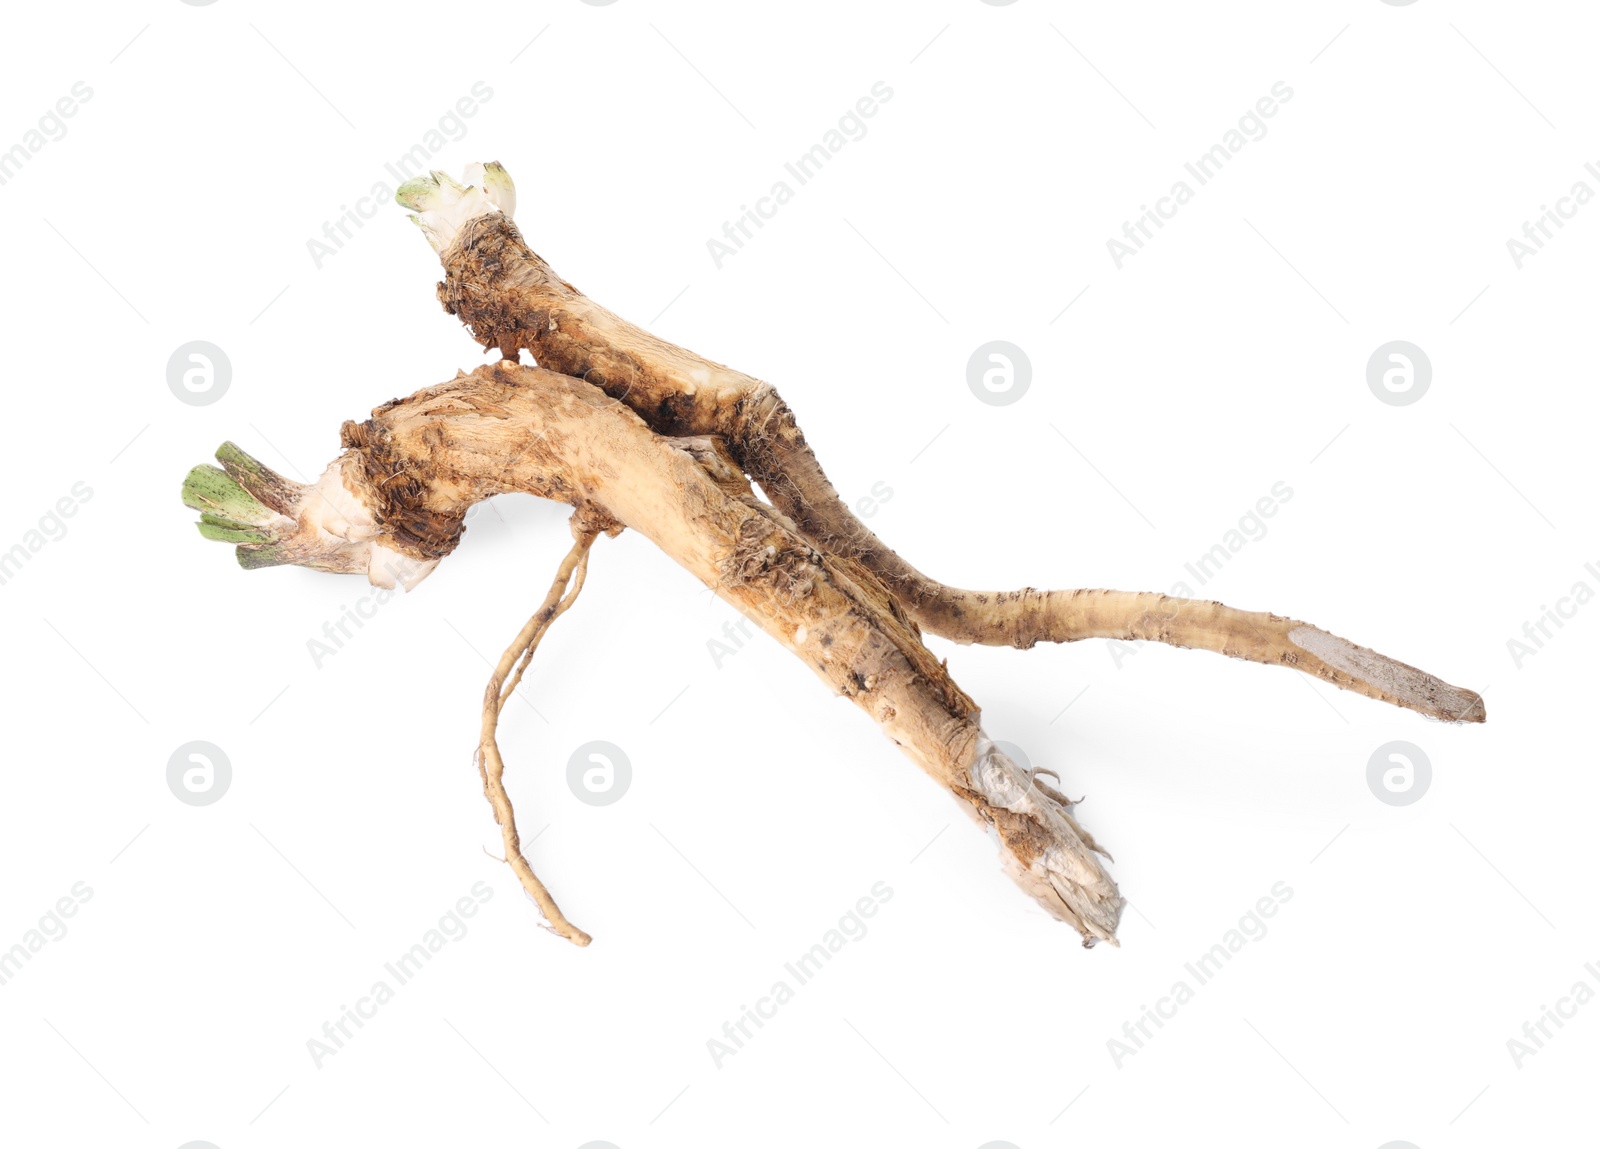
x=491 y=767
x=1071 y=615
x=507 y=428
x=633 y=432
x=510 y=298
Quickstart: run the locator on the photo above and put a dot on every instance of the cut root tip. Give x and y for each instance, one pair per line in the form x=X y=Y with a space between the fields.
x=232 y=507
x=273 y=521
x=443 y=205
x=1380 y=676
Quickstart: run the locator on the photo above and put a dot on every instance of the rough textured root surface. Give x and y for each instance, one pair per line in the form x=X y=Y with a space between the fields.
x=634 y=432
x=511 y=428
x=511 y=299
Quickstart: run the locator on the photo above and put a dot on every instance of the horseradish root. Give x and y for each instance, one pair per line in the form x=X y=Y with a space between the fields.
x=511 y=299
x=635 y=433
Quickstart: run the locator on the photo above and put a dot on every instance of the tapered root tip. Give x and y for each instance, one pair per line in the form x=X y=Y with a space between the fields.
x=1390 y=680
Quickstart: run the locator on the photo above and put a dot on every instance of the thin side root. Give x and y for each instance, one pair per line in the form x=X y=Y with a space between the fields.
x=490 y=765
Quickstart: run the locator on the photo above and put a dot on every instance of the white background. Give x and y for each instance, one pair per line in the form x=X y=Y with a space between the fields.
x=1173 y=393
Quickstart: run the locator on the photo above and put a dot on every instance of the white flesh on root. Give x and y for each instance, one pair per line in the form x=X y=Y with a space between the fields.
x=1066 y=878
x=443 y=206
